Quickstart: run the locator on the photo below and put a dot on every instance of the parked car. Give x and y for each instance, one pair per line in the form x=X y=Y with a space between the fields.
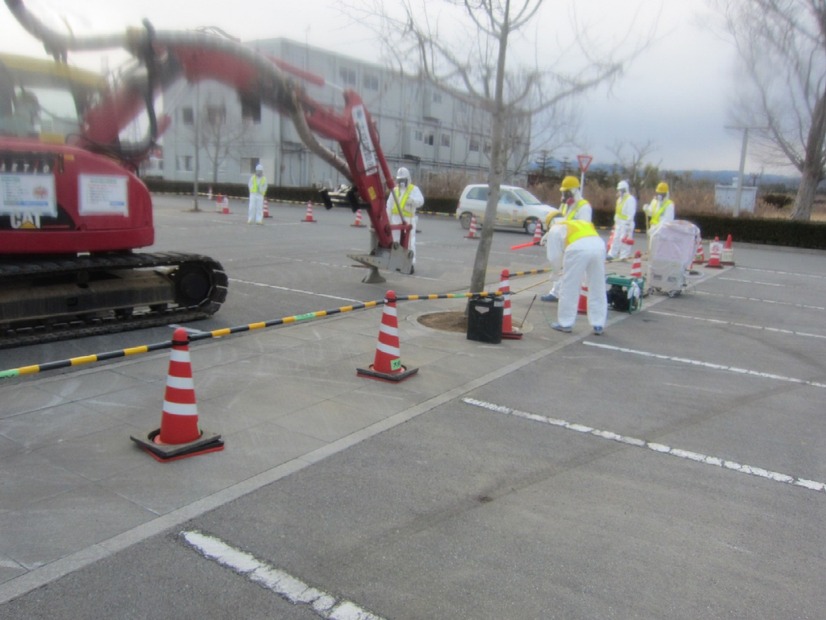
x=517 y=208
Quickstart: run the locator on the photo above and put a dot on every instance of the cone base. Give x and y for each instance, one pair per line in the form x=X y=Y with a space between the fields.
x=309 y=221
x=393 y=377
x=357 y=226
x=207 y=442
x=512 y=335
x=714 y=266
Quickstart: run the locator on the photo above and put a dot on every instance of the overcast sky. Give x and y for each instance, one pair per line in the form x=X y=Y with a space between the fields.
x=675 y=94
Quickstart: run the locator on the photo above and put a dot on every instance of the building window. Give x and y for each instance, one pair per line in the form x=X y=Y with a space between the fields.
x=248 y=164
x=473 y=147
x=446 y=140
x=348 y=76
x=370 y=81
x=437 y=97
x=184 y=163
x=250 y=109
x=418 y=135
x=428 y=139
x=187 y=116
x=216 y=115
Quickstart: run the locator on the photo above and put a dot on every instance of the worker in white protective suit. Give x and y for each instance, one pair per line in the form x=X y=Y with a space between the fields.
x=572 y=207
x=258 y=189
x=661 y=209
x=402 y=203
x=575 y=248
x=622 y=239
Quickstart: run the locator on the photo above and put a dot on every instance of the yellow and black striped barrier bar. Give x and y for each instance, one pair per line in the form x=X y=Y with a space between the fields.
x=530 y=272
x=219 y=333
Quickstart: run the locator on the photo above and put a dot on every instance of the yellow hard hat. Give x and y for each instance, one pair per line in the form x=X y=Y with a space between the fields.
x=662 y=188
x=554 y=213
x=569 y=183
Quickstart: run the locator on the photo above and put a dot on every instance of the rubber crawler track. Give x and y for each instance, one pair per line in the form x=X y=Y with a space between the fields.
x=76 y=328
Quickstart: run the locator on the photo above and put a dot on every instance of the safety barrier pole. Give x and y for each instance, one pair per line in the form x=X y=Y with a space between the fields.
x=219 y=333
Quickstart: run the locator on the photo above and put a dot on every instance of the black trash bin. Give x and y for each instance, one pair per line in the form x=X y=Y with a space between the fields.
x=484 y=321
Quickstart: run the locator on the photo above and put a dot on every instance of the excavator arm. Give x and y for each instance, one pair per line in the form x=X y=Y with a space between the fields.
x=166 y=56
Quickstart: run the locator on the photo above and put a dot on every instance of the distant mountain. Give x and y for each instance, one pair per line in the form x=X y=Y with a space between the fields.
x=719 y=177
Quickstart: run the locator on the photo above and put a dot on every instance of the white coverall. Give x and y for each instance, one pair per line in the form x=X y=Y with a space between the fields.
x=623 y=226
x=583 y=261
x=409 y=206
x=584 y=213
x=653 y=208
x=258 y=188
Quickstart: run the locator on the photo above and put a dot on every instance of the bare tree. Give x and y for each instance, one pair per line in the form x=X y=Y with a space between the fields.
x=217 y=136
x=476 y=69
x=782 y=45
x=632 y=157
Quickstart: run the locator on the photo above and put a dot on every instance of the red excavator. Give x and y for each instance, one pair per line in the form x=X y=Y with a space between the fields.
x=73 y=210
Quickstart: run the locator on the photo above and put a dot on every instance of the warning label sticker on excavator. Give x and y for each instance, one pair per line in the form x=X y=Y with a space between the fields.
x=31 y=195
x=103 y=194
x=368 y=150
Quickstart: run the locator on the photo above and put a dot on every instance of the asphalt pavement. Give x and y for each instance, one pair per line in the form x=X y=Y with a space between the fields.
x=670 y=468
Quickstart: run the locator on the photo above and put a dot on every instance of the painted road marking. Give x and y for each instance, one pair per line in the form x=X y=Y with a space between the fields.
x=293 y=290
x=777 y=330
x=762 y=301
x=286 y=586
x=685 y=360
x=783 y=273
x=810 y=485
x=751 y=282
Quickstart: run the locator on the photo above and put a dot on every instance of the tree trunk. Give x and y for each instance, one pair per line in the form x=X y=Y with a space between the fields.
x=805 y=194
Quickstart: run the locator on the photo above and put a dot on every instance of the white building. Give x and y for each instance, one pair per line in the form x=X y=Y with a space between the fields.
x=420 y=126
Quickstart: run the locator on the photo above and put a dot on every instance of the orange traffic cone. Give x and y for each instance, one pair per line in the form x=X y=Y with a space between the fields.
x=358 y=223
x=507 y=319
x=610 y=239
x=179 y=435
x=628 y=241
x=471 y=233
x=267 y=208
x=308 y=217
x=715 y=250
x=387 y=363
x=636 y=266
x=582 y=308
x=209 y=193
x=727 y=255
x=537 y=233
x=699 y=254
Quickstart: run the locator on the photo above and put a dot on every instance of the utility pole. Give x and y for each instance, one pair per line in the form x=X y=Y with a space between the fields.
x=743 y=148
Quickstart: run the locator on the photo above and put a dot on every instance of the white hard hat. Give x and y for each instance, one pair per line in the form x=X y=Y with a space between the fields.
x=622 y=186
x=259 y=167
x=403 y=174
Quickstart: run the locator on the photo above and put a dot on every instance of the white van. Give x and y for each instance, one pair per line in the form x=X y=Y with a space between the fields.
x=517 y=208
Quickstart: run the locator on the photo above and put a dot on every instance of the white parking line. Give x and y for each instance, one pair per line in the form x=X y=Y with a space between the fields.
x=750 y=281
x=783 y=273
x=735 y=324
x=810 y=485
x=283 y=584
x=684 y=360
x=293 y=290
x=762 y=301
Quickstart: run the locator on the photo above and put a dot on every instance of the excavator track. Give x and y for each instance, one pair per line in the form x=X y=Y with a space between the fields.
x=63 y=298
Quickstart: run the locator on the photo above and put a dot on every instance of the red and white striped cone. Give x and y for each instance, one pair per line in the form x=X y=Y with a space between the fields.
x=611 y=238
x=582 y=307
x=387 y=363
x=308 y=216
x=223 y=204
x=727 y=255
x=179 y=435
x=537 y=233
x=357 y=223
x=636 y=266
x=266 y=208
x=209 y=193
x=699 y=254
x=715 y=251
x=471 y=233
x=628 y=240
x=507 y=318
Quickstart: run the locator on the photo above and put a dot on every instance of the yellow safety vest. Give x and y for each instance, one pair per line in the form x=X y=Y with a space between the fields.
x=258 y=182
x=402 y=201
x=577 y=229
x=655 y=215
x=570 y=216
x=620 y=204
